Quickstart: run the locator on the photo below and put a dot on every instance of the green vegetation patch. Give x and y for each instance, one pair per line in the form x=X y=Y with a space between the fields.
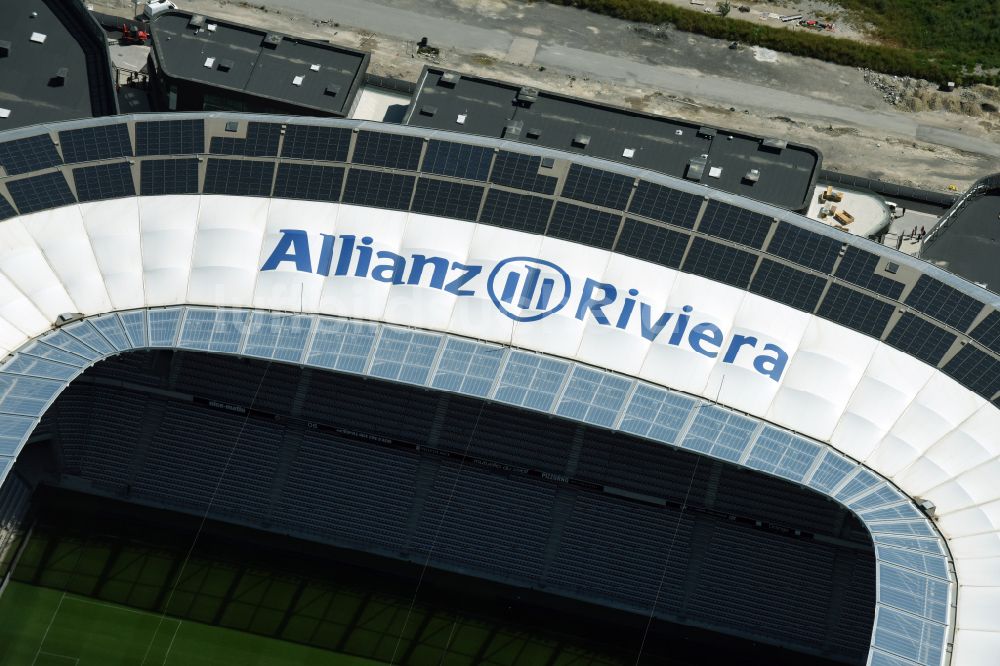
x=940 y=64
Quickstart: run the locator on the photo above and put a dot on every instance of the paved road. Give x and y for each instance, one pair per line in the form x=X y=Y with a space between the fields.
x=615 y=54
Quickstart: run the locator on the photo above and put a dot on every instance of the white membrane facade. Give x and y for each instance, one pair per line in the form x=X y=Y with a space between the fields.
x=903 y=420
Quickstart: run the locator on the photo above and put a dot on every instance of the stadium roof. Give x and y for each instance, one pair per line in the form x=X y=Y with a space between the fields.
x=768 y=170
x=967 y=239
x=268 y=65
x=192 y=238
x=54 y=64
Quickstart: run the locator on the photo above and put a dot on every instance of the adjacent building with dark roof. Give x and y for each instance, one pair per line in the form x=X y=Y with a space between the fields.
x=54 y=64
x=201 y=63
x=769 y=170
x=966 y=240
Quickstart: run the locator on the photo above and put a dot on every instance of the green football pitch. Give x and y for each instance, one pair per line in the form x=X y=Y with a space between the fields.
x=45 y=627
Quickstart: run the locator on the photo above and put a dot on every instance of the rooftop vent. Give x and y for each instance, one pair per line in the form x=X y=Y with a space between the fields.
x=226 y=65
x=38 y=37
x=449 y=79
x=428 y=110
x=314 y=68
x=461 y=118
x=297 y=81
x=527 y=95
x=68 y=318
x=581 y=140
x=752 y=176
x=696 y=168
x=332 y=89
x=271 y=40
x=774 y=144
x=548 y=162
x=4 y=113
x=628 y=153
x=513 y=128
x=212 y=27
x=232 y=126
x=4 y=48
x=534 y=133
x=196 y=21
x=59 y=78
x=707 y=131
x=210 y=62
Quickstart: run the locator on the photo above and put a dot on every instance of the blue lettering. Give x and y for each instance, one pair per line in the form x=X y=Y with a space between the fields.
x=736 y=344
x=469 y=272
x=344 y=260
x=588 y=302
x=391 y=272
x=705 y=333
x=439 y=264
x=680 y=325
x=774 y=366
x=293 y=246
x=326 y=254
x=364 y=257
x=650 y=331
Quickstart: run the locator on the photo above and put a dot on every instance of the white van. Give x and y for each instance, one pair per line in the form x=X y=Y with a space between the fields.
x=156 y=7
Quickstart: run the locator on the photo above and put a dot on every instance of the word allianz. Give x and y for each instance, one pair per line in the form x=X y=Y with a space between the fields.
x=350 y=256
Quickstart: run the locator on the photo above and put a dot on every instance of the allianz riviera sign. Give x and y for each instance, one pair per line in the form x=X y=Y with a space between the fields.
x=526 y=289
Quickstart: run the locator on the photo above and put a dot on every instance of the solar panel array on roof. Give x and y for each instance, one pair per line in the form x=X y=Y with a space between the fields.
x=521 y=172
x=447 y=199
x=597 y=186
x=975 y=369
x=787 y=285
x=858 y=267
x=804 y=247
x=243 y=178
x=394 y=151
x=261 y=141
x=459 y=160
x=720 y=262
x=584 y=225
x=988 y=331
x=920 y=338
x=521 y=212
x=170 y=137
x=652 y=243
x=379 y=189
x=104 y=181
x=178 y=176
x=101 y=142
x=736 y=224
x=312 y=142
x=944 y=303
x=6 y=210
x=855 y=310
x=35 y=193
x=662 y=203
x=33 y=153
x=308 y=181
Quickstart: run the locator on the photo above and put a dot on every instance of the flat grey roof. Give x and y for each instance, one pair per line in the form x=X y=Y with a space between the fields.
x=969 y=244
x=243 y=61
x=787 y=172
x=27 y=88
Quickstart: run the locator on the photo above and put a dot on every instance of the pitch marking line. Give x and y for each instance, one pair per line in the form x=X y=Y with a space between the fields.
x=49 y=628
x=75 y=660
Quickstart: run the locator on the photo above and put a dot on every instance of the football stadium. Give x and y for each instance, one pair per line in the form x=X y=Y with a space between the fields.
x=515 y=380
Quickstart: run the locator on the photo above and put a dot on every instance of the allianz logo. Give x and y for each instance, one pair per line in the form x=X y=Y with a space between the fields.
x=525 y=289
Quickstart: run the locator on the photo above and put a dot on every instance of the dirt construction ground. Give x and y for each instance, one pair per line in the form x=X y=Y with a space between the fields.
x=862 y=122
